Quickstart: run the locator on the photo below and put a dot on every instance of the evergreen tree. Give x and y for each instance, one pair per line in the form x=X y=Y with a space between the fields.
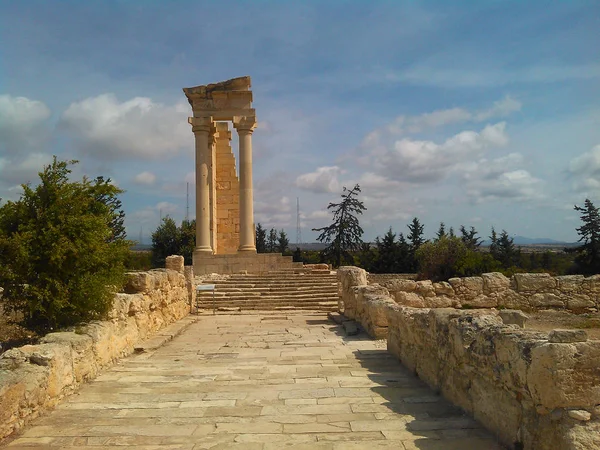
x=503 y=249
x=415 y=240
x=62 y=249
x=441 y=231
x=187 y=241
x=588 y=258
x=272 y=241
x=344 y=234
x=451 y=232
x=470 y=237
x=261 y=239
x=165 y=241
x=282 y=242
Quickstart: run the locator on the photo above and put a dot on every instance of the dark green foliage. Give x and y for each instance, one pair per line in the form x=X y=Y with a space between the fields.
x=449 y=257
x=138 y=260
x=470 y=237
x=344 y=234
x=261 y=239
x=272 y=241
x=441 y=231
x=282 y=242
x=503 y=250
x=588 y=254
x=415 y=240
x=393 y=256
x=169 y=239
x=62 y=249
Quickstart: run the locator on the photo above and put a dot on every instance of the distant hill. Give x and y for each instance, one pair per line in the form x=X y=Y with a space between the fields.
x=522 y=240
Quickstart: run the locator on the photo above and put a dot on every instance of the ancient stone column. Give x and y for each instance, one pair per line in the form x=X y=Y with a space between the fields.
x=202 y=126
x=245 y=126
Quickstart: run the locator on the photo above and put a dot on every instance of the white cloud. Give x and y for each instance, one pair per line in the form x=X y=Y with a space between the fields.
x=323 y=180
x=145 y=178
x=501 y=108
x=416 y=124
x=22 y=123
x=425 y=161
x=501 y=178
x=272 y=208
x=585 y=170
x=107 y=128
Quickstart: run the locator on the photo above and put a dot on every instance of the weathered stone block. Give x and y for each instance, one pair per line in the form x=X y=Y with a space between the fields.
x=494 y=282
x=174 y=262
x=567 y=336
x=513 y=317
x=532 y=282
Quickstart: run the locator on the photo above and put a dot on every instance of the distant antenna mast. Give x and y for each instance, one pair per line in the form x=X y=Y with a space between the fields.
x=187 y=202
x=141 y=242
x=298 y=228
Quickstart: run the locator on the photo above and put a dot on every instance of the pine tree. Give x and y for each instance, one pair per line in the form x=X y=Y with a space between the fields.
x=415 y=239
x=441 y=231
x=272 y=241
x=588 y=258
x=261 y=239
x=344 y=234
x=282 y=242
x=470 y=237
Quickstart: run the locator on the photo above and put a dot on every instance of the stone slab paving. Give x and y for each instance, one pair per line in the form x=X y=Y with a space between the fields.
x=258 y=382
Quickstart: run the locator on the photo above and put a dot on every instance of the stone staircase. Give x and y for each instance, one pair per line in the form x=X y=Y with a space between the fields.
x=281 y=290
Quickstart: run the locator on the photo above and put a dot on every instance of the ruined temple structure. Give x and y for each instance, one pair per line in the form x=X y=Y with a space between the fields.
x=225 y=241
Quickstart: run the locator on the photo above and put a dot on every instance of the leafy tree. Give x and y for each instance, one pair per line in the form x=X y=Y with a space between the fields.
x=450 y=257
x=282 y=242
x=470 y=237
x=261 y=239
x=187 y=241
x=588 y=254
x=272 y=241
x=165 y=241
x=108 y=198
x=62 y=249
x=169 y=239
x=344 y=234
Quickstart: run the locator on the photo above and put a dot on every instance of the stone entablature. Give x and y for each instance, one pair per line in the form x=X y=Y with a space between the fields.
x=534 y=390
x=36 y=377
x=525 y=291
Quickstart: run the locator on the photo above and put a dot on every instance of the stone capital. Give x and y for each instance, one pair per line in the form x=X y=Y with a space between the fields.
x=244 y=124
x=201 y=124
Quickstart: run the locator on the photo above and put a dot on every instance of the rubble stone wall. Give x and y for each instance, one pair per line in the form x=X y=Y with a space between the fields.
x=524 y=291
x=534 y=390
x=36 y=377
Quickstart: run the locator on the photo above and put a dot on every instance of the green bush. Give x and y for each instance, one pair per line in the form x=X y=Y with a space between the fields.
x=449 y=257
x=138 y=260
x=61 y=250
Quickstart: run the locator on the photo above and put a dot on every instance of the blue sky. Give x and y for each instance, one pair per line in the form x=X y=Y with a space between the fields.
x=477 y=113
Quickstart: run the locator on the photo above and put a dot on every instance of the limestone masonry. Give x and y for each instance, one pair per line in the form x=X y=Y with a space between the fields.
x=36 y=377
x=534 y=390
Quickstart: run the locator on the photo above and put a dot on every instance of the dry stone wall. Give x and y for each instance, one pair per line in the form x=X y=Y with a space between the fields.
x=525 y=291
x=36 y=377
x=534 y=390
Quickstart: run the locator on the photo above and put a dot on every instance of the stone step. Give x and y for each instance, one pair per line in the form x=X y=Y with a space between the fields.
x=258 y=299
x=322 y=307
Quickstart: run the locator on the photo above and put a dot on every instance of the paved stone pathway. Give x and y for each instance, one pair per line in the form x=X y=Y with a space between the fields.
x=258 y=382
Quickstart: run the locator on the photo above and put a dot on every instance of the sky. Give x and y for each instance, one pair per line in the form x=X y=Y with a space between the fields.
x=475 y=113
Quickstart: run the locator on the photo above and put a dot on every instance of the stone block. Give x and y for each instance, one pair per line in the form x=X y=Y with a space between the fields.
x=494 y=282
x=174 y=262
x=443 y=288
x=534 y=282
x=425 y=288
x=567 y=336
x=138 y=282
x=513 y=317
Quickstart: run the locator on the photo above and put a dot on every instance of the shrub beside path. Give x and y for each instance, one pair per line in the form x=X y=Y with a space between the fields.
x=258 y=382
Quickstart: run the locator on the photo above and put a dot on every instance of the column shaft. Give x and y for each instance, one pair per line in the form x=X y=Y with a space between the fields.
x=245 y=128
x=201 y=128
